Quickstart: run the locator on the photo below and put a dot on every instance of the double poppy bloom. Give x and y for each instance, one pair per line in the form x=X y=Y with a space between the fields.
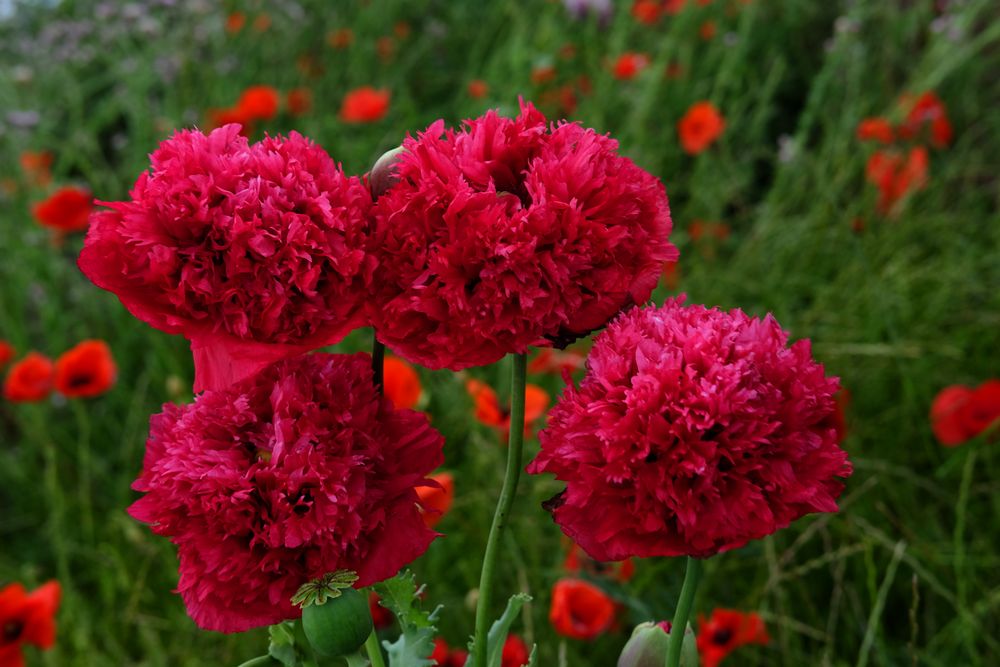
x=694 y=431
x=253 y=252
x=511 y=233
x=300 y=470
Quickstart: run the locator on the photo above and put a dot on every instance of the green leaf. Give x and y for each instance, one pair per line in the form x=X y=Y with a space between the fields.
x=498 y=632
x=533 y=657
x=357 y=660
x=282 y=646
x=413 y=647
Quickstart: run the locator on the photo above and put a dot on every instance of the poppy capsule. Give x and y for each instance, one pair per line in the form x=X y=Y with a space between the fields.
x=340 y=625
x=648 y=645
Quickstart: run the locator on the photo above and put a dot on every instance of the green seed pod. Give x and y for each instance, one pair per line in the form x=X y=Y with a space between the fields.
x=648 y=648
x=339 y=626
x=383 y=174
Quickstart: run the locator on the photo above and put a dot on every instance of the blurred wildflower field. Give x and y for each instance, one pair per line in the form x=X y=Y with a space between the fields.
x=844 y=177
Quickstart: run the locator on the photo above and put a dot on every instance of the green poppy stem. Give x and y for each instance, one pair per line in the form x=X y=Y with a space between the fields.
x=691 y=578
x=378 y=364
x=507 y=493
x=373 y=650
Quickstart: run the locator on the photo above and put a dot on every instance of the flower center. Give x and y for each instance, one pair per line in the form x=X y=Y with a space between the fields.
x=10 y=632
x=722 y=636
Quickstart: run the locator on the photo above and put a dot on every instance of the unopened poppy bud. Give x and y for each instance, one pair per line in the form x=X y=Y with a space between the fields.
x=647 y=647
x=383 y=174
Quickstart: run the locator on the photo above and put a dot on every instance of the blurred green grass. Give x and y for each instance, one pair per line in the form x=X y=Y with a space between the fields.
x=908 y=573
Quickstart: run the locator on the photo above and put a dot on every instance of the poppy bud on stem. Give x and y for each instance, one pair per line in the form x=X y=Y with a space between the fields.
x=507 y=493
x=691 y=578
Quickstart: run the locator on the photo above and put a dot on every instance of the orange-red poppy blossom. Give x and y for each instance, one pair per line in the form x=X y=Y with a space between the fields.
x=487 y=408
x=646 y=11
x=580 y=610
x=725 y=631
x=895 y=177
x=30 y=379
x=259 y=103
x=700 y=127
x=7 y=353
x=66 y=210
x=875 y=129
x=365 y=105
x=629 y=65
x=926 y=109
x=556 y=362
x=27 y=618
x=36 y=166
x=86 y=370
x=478 y=89
x=960 y=413
x=340 y=38
x=401 y=383
x=436 y=501
x=298 y=101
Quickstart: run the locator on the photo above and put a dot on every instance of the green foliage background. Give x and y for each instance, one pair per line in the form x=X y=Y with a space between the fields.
x=907 y=574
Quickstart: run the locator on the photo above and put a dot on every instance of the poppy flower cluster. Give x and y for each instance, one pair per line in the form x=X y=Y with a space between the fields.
x=515 y=653
x=297 y=471
x=895 y=172
x=510 y=233
x=84 y=371
x=725 y=631
x=693 y=432
x=960 y=413
x=27 y=619
x=254 y=252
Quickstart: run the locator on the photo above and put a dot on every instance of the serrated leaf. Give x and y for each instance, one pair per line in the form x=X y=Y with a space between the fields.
x=282 y=646
x=400 y=595
x=498 y=632
x=533 y=657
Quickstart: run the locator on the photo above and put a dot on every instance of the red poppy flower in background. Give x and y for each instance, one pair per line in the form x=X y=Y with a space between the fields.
x=7 y=353
x=673 y=6
x=66 y=210
x=577 y=560
x=875 y=129
x=707 y=30
x=36 y=166
x=926 y=109
x=263 y=486
x=261 y=23
x=896 y=178
x=299 y=101
x=693 y=431
x=672 y=275
x=646 y=11
x=254 y=252
x=30 y=379
x=27 y=618
x=580 y=610
x=725 y=631
x=381 y=617
x=556 y=362
x=259 y=103
x=629 y=65
x=85 y=371
x=515 y=652
x=221 y=117
x=365 y=105
x=700 y=127
x=235 y=22
x=511 y=233
x=435 y=501
x=478 y=89
x=445 y=656
x=401 y=382
x=701 y=229
x=542 y=74
x=960 y=413
x=385 y=47
x=488 y=410
x=340 y=38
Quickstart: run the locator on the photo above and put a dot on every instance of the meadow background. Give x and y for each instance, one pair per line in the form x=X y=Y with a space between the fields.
x=898 y=306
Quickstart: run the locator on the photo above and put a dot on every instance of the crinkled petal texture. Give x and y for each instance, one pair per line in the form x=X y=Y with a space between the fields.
x=300 y=470
x=253 y=252
x=694 y=431
x=510 y=233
